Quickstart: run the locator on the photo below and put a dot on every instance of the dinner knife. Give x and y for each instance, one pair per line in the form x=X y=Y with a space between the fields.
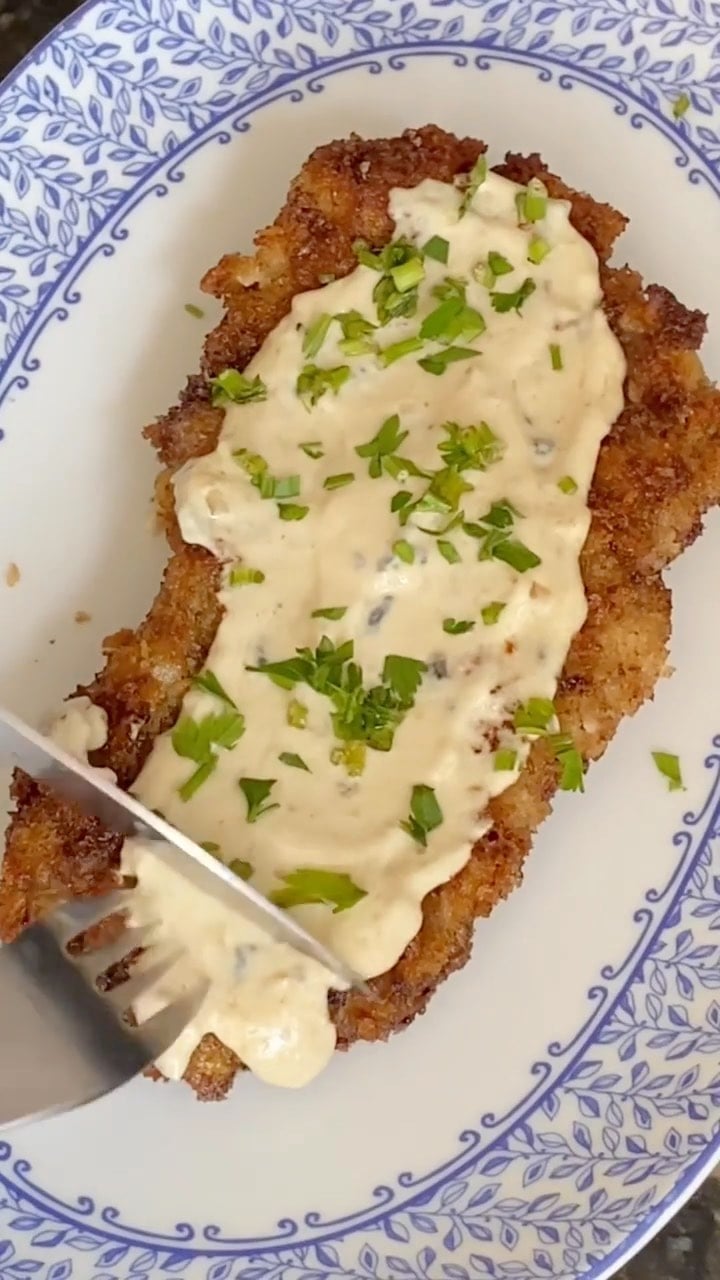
x=122 y=813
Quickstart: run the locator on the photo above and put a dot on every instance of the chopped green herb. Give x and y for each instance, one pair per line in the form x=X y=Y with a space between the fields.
x=208 y=681
x=556 y=359
x=339 y=481
x=450 y=287
x=386 y=442
x=404 y=551
x=232 y=387
x=496 y=266
x=312 y=382
x=308 y=885
x=537 y=250
x=313 y=449
x=354 y=324
x=470 y=448
x=388 y=355
x=504 y=761
x=315 y=335
x=256 y=792
x=457 y=626
x=438 y=249
x=291 y=511
x=532 y=202
x=449 y=551
x=425 y=814
x=242 y=576
x=390 y=303
x=493 y=532
x=285 y=487
x=680 y=106
x=572 y=776
x=352 y=756
x=516 y=554
x=407 y=275
x=197 y=313
x=334 y=614
x=188 y=788
x=243 y=870
x=400 y=499
x=297 y=714
x=566 y=484
x=491 y=612
x=477 y=176
x=199 y=740
x=504 y=302
x=292 y=759
x=356 y=347
x=453 y=320
x=438 y=363
x=210 y=846
x=534 y=717
x=404 y=675
x=669 y=766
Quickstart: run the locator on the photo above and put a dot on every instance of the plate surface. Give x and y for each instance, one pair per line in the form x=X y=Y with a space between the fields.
x=561 y=1097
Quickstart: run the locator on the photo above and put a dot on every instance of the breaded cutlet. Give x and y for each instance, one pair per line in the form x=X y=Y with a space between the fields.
x=658 y=472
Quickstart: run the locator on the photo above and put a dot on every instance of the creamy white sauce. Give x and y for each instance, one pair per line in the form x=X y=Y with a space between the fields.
x=79 y=728
x=265 y=1002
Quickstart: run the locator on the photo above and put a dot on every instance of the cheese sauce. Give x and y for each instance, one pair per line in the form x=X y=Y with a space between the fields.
x=487 y=606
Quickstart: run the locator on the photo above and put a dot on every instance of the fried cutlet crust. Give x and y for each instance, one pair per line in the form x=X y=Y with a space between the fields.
x=658 y=471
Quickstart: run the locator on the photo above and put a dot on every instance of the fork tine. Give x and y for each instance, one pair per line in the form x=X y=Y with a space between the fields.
x=161 y=1030
x=72 y=918
x=142 y=978
x=96 y=962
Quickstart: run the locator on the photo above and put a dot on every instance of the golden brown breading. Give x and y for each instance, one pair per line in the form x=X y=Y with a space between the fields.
x=659 y=470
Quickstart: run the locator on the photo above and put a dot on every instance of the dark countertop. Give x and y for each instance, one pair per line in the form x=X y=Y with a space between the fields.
x=689 y=1248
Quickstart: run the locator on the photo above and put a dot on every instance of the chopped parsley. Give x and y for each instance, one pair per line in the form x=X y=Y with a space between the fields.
x=457 y=626
x=356 y=332
x=438 y=249
x=401 y=269
x=268 y=485
x=425 y=814
x=566 y=484
x=315 y=335
x=490 y=613
x=538 y=249
x=295 y=761
x=197 y=313
x=493 y=532
x=313 y=449
x=496 y=266
x=534 y=717
x=388 y=439
x=504 y=302
x=352 y=756
x=534 y=720
x=312 y=382
x=208 y=681
x=453 y=320
x=292 y=511
x=243 y=870
x=200 y=740
x=308 y=886
x=440 y=360
x=448 y=551
x=476 y=178
x=297 y=714
x=333 y=614
x=398 y=350
x=242 y=576
x=470 y=448
x=669 y=766
x=339 y=481
x=505 y=760
x=232 y=387
x=404 y=551
x=256 y=792
x=531 y=203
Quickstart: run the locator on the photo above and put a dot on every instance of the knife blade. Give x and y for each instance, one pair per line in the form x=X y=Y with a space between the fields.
x=122 y=813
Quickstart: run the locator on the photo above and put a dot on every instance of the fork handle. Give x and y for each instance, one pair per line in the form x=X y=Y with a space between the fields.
x=56 y=1032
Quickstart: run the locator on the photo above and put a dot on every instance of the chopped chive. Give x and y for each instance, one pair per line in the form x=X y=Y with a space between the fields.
x=440 y=360
x=669 y=766
x=476 y=177
x=572 y=777
x=556 y=358
x=354 y=325
x=297 y=714
x=680 y=106
x=387 y=440
x=196 y=780
x=407 y=275
x=197 y=313
x=313 y=449
x=338 y=481
x=315 y=335
x=309 y=885
x=291 y=511
x=209 y=683
x=232 y=387
x=284 y=487
x=517 y=555
x=448 y=551
x=532 y=202
x=312 y=382
x=491 y=612
x=404 y=551
x=504 y=761
x=295 y=761
x=388 y=355
x=438 y=249
x=242 y=576
x=457 y=626
x=400 y=499
x=352 y=756
x=534 y=716
x=566 y=484
x=537 y=250
x=356 y=346
x=334 y=613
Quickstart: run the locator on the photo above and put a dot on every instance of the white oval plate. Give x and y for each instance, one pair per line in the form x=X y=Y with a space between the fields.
x=560 y=1099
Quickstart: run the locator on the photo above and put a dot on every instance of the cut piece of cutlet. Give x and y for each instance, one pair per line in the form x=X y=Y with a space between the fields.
x=658 y=471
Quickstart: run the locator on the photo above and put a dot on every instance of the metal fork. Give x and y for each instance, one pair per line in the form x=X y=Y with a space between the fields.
x=64 y=1042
